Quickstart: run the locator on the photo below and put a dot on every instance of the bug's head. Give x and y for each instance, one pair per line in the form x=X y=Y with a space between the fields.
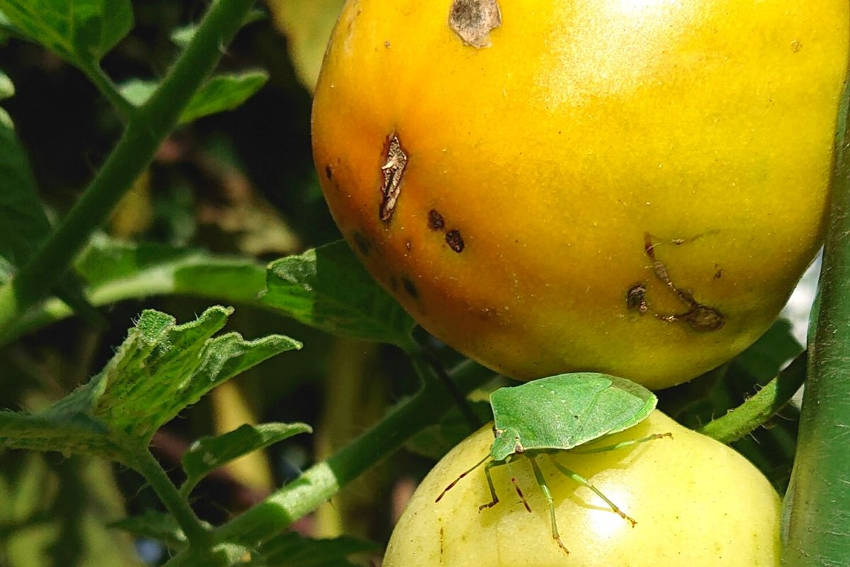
x=506 y=443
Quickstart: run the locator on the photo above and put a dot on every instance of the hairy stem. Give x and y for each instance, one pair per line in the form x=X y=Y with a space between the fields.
x=321 y=481
x=146 y=130
x=817 y=505
x=198 y=536
x=762 y=406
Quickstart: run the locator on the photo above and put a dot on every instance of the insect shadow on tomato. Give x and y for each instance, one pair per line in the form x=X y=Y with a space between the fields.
x=561 y=413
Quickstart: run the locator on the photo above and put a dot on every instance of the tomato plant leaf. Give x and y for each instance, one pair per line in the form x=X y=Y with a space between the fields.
x=697 y=402
x=137 y=91
x=114 y=270
x=436 y=440
x=79 y=31
x=293 y=550
x=108 y=263
x=23 y=222
x=329 y=289
x=565 y=411
x=208 y=453
x=183 y=35
x=7 y=88
x=154 y=525
x=160 y=368
x=307 y=25
x=221 y=93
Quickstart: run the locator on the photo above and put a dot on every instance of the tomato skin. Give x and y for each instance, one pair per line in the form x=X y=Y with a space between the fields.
x=591 y=142
x=697 y=503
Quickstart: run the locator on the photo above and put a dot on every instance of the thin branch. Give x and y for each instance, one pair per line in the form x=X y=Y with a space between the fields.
x=321 y=481
x=761 y=407
x=148 y=127
x=110 y=92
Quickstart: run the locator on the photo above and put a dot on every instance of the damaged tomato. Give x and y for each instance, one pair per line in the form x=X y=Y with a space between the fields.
x=630 y=187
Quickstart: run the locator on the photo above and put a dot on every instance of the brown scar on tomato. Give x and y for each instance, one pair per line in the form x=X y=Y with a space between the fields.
x=393 y=173
x=329 y=172
x=473 y=20
x=698 y=316
x=435 y=220
x=455 y=241
x=636 y=299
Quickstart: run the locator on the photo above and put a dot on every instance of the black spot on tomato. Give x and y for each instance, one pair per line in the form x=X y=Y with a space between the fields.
x=455 y=240
x=435 y=220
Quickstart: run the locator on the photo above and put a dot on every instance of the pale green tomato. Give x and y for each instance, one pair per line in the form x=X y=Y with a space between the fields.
x=697 y=503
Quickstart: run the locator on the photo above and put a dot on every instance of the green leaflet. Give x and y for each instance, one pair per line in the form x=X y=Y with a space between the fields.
x=79 y=31
x=219 y=94
x=327 y=288
x=208 y=453
x=161 y=368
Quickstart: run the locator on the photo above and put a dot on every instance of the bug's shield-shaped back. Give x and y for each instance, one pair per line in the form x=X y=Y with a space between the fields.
x=565 y=411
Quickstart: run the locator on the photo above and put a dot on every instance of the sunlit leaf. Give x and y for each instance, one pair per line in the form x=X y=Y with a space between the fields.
x=7 y=89
x=209 y=453
x=223 y=92
x=329 y=289
x=183 y=35
x=219 y=94
x=161 y=368
x=137 y=91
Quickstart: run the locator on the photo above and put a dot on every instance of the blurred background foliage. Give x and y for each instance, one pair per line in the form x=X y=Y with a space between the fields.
x=236 y=183
x=240 y=184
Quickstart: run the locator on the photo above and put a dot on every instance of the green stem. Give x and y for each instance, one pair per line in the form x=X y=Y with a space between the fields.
x=199 y=537
x=817 y=506
x=109 y=91
x=429 y=369
x=762 y=406
x=148 y=127
x=321 y=481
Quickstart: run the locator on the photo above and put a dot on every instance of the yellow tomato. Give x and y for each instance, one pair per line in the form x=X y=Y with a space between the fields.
x=626 y=186
x=696 y=503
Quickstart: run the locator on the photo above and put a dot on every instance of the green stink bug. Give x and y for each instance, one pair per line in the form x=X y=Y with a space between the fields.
x=561 y=413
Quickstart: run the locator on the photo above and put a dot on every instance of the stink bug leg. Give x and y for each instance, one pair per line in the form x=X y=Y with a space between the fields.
x=494 y=497
x=584 y=482
x=541 y=480
x=623 y=444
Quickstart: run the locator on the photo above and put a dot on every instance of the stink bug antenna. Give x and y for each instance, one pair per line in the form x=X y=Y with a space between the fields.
x=463 y=474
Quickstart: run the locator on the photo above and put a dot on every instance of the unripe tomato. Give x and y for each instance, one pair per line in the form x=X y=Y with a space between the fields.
x=625 y=186
x=696 y=503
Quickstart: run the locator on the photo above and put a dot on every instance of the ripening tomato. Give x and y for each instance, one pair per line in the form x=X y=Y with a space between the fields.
x=626 y=186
